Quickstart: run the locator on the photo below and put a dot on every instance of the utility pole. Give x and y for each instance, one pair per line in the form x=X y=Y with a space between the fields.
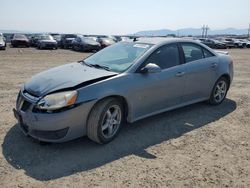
x=203 y=31
x=248 y=31
x=206 y=29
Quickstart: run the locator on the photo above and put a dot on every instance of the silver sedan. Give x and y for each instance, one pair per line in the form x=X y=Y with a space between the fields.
x=127 y=81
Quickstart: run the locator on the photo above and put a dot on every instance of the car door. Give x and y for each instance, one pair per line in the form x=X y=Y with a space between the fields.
x=201 y=68
x=155 y=92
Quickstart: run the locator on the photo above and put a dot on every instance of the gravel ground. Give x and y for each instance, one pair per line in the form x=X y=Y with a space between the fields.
x=195 y=146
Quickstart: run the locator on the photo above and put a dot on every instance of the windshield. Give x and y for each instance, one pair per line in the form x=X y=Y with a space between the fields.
x=46 y=37
x=57 y=37
x=20 y=36
x=88 y=40
x=70 y=36
x=118 y=57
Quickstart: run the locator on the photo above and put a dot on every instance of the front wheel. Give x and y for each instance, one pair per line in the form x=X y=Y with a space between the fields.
x=105 y=120
x=219 y=91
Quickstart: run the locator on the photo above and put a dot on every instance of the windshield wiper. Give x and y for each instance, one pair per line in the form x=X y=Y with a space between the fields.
x=99 y=66
x=94 y=65
x=84 y=63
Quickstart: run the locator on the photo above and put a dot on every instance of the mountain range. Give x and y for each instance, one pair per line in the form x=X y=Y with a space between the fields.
x=164 y=32
x=191 y=31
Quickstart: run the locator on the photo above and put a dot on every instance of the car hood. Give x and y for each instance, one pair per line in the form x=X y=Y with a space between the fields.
x=64 y=77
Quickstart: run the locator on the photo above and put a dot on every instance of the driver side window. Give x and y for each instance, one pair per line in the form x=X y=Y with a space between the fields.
x=165 y=57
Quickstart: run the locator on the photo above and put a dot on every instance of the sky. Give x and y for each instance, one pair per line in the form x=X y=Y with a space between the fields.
x=121 y=16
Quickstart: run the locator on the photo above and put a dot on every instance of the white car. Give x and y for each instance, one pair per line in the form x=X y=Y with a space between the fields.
x=2 y=42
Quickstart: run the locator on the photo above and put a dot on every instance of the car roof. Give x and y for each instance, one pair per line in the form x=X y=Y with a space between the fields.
x=161 y=40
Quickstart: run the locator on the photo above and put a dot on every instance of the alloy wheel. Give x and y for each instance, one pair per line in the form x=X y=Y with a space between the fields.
x=220 y=91
x=111 y=121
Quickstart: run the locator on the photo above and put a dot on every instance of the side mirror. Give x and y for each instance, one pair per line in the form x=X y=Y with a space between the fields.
x=150 y=68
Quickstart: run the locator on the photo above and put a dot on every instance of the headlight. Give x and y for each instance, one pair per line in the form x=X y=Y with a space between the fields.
x=58 y=100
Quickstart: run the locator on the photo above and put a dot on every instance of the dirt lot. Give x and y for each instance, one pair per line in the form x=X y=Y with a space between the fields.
x=195 y=146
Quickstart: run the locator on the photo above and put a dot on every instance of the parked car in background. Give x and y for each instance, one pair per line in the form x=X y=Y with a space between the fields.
x=105 y=41
x=117 y=38
x=83 y=44
x=34 y=40
x=46 y=42
x=67 y=39
x=229 y=42
x=58 y=39
x=213 y=43
x=248 y=43
x=92 y=37
x=244 y=42
x=126 y=39
x=20 y=40
x=2 y=43
x=238 y=43
x=127 y=81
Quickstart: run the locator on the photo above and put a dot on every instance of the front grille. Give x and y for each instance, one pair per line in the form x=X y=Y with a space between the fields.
x=51 y=135
x=25 y=106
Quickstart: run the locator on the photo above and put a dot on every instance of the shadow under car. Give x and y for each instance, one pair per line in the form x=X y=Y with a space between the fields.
x=46 y=162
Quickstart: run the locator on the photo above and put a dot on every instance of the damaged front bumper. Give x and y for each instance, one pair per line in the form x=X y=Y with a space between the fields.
x=51 y=126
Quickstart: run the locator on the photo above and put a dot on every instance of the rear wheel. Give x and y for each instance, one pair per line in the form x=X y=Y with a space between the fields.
x=219 y=91
x=105 y=120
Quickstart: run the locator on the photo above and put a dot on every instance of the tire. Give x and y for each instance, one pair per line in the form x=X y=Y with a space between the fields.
x=100 y=129
x=218 y=95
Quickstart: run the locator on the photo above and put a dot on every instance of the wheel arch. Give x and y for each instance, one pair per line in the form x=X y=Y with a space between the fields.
x=121 y=98
x=227 y=77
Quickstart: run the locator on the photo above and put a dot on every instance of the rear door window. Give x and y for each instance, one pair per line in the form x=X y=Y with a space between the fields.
x=207 y=54
x=192 y=52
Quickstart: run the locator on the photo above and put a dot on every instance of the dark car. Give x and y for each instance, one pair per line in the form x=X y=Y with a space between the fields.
x=2 y=43
x=85 y=44
x=105 y=41
x=66 y=40
x=213 y=43
x=20 y=40
x=34 y=40
x=46 y=42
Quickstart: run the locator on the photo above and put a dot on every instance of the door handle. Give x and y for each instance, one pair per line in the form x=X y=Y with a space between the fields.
x=214 y=65
x=179 y=74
